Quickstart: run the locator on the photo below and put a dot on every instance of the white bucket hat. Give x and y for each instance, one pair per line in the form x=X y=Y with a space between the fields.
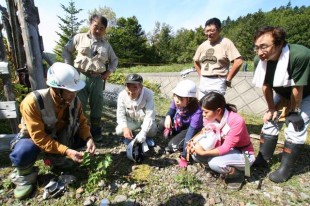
x=185 y=88
x=64 y=76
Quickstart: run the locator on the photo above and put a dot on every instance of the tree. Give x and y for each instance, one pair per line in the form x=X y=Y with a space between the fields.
x=69 y=27
x=108 y=13
x=183 y=46
x=162 y=42
x=128 y=41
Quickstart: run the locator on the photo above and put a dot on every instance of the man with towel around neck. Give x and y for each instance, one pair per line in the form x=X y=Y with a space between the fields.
x=282 y=70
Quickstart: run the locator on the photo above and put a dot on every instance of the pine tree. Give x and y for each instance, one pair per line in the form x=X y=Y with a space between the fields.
x=69 y=27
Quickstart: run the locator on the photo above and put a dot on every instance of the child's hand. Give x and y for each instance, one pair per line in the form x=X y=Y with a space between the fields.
x=168 y=122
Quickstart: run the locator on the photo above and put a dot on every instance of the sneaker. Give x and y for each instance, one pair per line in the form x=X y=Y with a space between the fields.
x=235 y=179
x=182 y=162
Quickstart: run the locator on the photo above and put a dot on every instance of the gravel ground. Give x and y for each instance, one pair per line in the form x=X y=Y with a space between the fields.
x=158 y=181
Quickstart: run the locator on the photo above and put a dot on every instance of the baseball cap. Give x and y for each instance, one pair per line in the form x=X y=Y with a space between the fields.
x=134 y=79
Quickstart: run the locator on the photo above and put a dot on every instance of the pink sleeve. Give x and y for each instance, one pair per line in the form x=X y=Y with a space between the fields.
x=233 y=137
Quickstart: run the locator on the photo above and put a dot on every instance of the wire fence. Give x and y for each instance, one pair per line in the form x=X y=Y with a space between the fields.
x=247 y=98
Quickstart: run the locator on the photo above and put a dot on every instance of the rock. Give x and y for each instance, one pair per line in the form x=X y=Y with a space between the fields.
x=304 y=196
x=80 y=190
x=133 y=186
x=125 y=185
x=87 y=202
x=120 y=198
x=101 y=183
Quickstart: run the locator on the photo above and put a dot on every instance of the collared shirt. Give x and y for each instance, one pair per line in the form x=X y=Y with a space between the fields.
x=35 y=126
x=92 y=55
x=141 y=110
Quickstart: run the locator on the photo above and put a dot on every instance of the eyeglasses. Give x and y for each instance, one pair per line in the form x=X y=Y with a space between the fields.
x=263 y=48
x=212 y=31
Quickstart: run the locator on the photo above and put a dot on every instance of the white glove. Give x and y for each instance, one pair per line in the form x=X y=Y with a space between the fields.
x=141 y=137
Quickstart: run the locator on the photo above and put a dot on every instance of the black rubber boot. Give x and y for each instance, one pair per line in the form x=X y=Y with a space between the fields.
x=267 y=146
x=289 y=156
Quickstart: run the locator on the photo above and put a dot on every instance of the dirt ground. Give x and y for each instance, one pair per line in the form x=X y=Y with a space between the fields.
x=158 y=180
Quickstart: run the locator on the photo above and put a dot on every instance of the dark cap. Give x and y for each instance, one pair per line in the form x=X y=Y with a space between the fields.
x=134 y=79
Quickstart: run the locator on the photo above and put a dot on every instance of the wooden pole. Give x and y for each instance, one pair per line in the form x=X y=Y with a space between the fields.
x=29 y=18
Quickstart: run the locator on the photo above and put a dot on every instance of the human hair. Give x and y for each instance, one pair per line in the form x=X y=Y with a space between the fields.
x=214 y=21
x=277 y=33
x=214 y=100
x=193 y=104
x=99 y=17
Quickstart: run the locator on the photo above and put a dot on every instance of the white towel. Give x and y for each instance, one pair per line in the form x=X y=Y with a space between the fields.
x=281 y=77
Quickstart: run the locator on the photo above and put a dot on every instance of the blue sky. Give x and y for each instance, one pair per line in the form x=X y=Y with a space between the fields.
x=188 y=14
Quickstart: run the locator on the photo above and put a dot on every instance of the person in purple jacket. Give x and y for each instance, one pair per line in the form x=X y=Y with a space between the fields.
x=235 y=153
x=183 y=120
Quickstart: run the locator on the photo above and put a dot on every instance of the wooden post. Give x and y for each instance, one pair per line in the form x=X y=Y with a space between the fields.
x=29 y=18
x=8 y=91
x=14 y=35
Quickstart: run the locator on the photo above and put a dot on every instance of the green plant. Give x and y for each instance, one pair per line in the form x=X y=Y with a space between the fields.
x=97 y=166
x=117 y=78
x=187 y=180
x=20 y=91
x=7 y=184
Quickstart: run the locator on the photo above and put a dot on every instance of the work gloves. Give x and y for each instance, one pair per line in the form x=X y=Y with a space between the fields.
x=141 y=137
x=297 y=121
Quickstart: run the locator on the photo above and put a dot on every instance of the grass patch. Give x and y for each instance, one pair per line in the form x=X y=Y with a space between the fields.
x=151 y=69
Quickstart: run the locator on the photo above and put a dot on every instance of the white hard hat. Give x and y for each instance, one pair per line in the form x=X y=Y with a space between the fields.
x=134 y=151
x=185 y=88
x=64 y=76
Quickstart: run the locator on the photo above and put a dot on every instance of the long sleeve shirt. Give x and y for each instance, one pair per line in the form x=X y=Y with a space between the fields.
x=36 y=129
x=237 y=136
x=140 y=110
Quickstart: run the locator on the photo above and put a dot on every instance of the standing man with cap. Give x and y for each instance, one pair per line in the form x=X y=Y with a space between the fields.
x=95 y=61
x=135 y=111
x=213 y=58
x=282 y=70
x=52 y=122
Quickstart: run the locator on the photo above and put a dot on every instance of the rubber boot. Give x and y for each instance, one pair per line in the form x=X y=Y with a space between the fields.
x=289 y=156
x=23 y=178
x=95 y=129
x=234 y=179
x=267 y=146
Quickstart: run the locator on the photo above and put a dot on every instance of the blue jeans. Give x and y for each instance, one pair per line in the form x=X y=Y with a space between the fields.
x=25 y=151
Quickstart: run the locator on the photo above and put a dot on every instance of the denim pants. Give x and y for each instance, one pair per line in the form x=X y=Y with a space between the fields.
x=25 y=151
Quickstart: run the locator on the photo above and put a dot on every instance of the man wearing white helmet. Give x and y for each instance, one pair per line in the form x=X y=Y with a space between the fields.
x=52 y=122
